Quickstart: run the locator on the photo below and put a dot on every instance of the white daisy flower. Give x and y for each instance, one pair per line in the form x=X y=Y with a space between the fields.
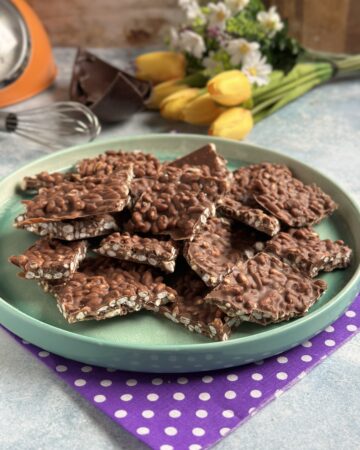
x=191 y=10
x=192 y=43
x=240 y=50
x=236 y=5
x=211 y=65
x=270 y=20
x=257 y=70
x=218 y=14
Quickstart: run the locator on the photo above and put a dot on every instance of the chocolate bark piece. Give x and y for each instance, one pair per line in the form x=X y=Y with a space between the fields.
x=139 y=186
x=70 y=230
x=50 y=259
x=46 y=180
x=191 y=311
x=266 y=290
x=207 y=158
x=103 y=289
x=217 y=247
x=304 y=249
x=177 y=203
x=144 y=164
x=154 y=252
x=253 y=217
x=293 y=202
x=87 y=197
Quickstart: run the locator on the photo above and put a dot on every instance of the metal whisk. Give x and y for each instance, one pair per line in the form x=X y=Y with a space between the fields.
x=56 y=126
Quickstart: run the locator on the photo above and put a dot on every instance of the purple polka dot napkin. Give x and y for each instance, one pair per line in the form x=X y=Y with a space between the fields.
x=193 y=411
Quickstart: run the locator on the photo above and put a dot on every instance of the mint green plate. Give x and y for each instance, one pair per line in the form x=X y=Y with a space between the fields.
x=142 y=341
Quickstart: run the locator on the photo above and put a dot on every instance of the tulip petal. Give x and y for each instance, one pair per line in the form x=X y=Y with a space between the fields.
x=235 y=123
x=160 y=66
x=230 y=88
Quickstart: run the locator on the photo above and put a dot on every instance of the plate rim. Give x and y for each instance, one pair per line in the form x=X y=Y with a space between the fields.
x=351 y=286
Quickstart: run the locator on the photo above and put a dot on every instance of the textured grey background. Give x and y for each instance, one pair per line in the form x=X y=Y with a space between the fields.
x=38 y=411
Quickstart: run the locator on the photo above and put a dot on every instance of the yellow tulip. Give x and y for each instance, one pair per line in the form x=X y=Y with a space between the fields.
x=172 y=106
x=163 y=90
x=235 y=123
x=160 y=66
x=202 y=110
x=230 y=88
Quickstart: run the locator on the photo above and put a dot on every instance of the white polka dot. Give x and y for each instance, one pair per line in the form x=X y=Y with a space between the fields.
x=166 y=447
x=230 y=395
x=257 y=376
x=174 y=413
x=126 y=397
x=131 y=382
x=152 y=397
x=201 y=413
x=252 y=411
x=224 y=431
x=207 y=379
x=143 y=430
x=351 y=327
x=120 y=413
x=350 y=313
x=79 y=382
x=281 y=375
x=282 y=359
x=329 y=329
x=278 y=392
x=170 y=431
x=307 y=344
x=306 y=358
x=182 y=380
x=228 y=413
x=198 y=431
x=148 y=414
x=110 y=369
x=61 y=368
x=157 y=381
x=329 y=343
x=43 y=354
x=178 y=396
x=204 y=396
x=232 y=377
x=302 y=375
x=99 y=398
x=195 y=447
x=259 y=363
x=255 y=393
x=86 y=369
x=106 y=383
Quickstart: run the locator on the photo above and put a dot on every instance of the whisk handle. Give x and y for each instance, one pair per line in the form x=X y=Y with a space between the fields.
x=8 y=121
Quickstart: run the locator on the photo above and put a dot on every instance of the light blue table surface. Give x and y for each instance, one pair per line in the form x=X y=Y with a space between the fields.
x=38 y=411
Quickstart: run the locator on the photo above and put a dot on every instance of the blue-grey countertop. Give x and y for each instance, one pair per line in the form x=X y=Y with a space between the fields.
x=38 y=411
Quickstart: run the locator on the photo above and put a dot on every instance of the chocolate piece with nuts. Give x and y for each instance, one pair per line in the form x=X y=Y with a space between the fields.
x=253 y=217
x=88 y=197
x=293 y=202
x=50 y=259
x=217 y=247
x=177 y=203
x=46 y=180
x=103 y=289
x=151 y=251
x=145 y=164
x=304 y=249
x=70 y=230
x=266 y=290
x=191 y=311
x=207 y=158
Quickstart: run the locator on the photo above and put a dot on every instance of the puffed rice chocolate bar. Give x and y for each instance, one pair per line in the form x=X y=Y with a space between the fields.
x=253 y=217
x=266 y=290
x=88 y=197
x=161 y=254
x=304 y=249
x=145 y=164
x=70 y=230
x=207 y=158
x=293 y=202
x=46 y=180
x=50 y=259
x=217 y=247
x=102 y=289
x=191 y=311
x=177 y=203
